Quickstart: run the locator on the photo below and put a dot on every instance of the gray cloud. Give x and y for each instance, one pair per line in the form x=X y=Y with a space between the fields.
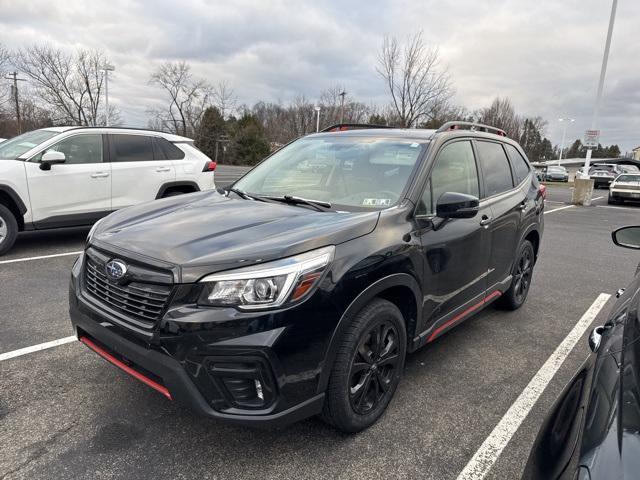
x=544 y=55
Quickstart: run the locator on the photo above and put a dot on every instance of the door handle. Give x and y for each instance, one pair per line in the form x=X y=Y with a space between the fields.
x=485 y=220
x=163 y=169
x=99 y=175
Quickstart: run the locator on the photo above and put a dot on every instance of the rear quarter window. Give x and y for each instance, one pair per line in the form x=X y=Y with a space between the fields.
x=169 y=150
x=520 y=166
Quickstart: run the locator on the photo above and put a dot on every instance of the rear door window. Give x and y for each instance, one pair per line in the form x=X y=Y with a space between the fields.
x=169 y=150
x=495 y=168
x=131 y=148
x=520 y=166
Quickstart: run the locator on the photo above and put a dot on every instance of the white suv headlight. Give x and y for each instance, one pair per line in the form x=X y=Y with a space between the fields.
x=269 y=285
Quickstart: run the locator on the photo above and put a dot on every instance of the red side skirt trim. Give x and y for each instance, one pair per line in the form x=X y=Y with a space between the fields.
x=111 y=359
x=461 y=315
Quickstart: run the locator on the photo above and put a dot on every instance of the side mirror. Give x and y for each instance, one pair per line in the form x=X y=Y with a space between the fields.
x=51 y=158
x=628 y=237
x=457 y=205
x=595 y=337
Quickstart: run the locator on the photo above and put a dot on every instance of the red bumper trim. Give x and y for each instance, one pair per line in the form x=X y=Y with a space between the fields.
x=111 y=359
x=460 y=316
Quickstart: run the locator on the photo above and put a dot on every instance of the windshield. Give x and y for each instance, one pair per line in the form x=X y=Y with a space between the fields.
x=628 y=178
x=358 y=172
x=14 y=148
x=602 y=168
x=556 y=169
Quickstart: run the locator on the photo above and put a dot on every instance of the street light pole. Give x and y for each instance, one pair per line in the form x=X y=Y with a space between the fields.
x=603 y=71
x=317 y=108
x=564 y=133
x=106 y=69
x=342 y=95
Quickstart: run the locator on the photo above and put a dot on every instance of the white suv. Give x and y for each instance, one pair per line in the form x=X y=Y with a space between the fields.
x=70 y=176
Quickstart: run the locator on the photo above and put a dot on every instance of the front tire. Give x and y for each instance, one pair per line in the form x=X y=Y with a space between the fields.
x=522 y=274
x=8 y=229
x=367 y=367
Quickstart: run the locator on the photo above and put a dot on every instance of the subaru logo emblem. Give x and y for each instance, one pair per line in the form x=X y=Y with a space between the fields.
x=115 y=269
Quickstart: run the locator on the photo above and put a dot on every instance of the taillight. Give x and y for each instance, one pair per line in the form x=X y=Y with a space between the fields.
x=210 y=166
x=543 y=191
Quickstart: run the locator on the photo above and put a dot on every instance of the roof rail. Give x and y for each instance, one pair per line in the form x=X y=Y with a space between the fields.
x=459 y=125
x=340 y=127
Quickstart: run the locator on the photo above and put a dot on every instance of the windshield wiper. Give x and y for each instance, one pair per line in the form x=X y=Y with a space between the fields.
x=319 y=205
x=244 y=195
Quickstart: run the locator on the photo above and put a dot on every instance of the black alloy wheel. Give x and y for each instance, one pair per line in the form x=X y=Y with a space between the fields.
x=367 y=367
x=374 y=364
x=521 y=278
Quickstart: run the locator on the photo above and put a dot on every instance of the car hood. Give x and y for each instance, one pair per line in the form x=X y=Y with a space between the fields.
x=208 y=232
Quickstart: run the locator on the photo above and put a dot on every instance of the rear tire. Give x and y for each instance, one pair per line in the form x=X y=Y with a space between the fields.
x=367 y=368
x=8 y=229
x=522 y=275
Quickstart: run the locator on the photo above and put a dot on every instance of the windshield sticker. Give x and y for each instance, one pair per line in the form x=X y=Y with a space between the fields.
x=376 y=202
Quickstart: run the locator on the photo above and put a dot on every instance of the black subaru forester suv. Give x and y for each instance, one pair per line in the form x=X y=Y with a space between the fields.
x=300 y=289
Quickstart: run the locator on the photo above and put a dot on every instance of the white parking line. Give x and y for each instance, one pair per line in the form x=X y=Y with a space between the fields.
x=28 y=259
x=479 y=466
x=559 y=208
x=618 y=208
x=36 y=348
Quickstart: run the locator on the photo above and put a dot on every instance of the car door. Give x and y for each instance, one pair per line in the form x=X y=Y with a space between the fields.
x=456 y=250
x=137 y=172
x=507 y=205
x=76 y=192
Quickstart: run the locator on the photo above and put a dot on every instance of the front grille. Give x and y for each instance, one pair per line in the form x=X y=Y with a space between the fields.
x=141 y=303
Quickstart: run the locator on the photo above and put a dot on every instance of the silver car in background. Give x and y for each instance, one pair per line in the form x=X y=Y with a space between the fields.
x=625 y=187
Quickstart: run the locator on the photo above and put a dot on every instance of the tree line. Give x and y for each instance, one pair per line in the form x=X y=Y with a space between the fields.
x=67 y=88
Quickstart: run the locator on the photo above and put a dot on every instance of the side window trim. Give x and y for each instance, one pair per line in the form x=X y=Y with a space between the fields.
x=427 y=181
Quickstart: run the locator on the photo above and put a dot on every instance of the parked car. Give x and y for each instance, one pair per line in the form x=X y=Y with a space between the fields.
x=297 y=292
x=70 y=176
x=593 y=429
x=604 y=173
x=625 y=187
x=556 y=173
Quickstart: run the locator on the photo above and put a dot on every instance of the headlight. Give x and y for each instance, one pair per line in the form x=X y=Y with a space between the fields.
x=92 y=231
x=268 y=285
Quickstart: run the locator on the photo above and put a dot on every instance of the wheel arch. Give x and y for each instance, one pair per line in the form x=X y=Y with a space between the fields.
x=184 y=186
x=10 y=199
x=533 y=235
x=401 y=289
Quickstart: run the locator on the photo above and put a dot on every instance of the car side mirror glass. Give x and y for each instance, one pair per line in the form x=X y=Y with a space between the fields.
x=628 y=237
x=51 y=158
x=457 y=205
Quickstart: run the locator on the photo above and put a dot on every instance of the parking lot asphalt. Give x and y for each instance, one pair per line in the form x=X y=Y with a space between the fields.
x=66 y=413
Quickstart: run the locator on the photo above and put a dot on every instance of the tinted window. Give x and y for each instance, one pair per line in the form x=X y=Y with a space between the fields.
x=454 y=171
x=520 y=165
x=495 y=168
x=78 y=149
x=169 y=150
x=131 y=148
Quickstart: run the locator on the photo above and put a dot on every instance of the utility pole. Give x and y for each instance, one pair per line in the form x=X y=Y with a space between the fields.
x=564 y=133
x=603 y=71
x=342 y=95
x=14 y=91
x=106 y=68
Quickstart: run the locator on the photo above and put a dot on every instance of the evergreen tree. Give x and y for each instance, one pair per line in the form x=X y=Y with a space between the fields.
x=211 y=133
x=249 y=143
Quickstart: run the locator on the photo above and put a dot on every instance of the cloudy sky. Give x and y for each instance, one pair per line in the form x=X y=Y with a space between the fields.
x=544 y=54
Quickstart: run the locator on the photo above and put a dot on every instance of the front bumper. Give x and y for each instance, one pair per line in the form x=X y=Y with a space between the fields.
x=625 y=194
x=209 y=372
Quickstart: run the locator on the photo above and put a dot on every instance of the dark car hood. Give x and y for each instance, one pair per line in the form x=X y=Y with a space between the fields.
x=208 y=232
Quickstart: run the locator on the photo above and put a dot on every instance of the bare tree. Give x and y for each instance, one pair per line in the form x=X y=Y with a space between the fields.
x=501 y=114
x=5 y=58
x=70 y=85
x=188 y=98
x=224 y=98
x=416 y=82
